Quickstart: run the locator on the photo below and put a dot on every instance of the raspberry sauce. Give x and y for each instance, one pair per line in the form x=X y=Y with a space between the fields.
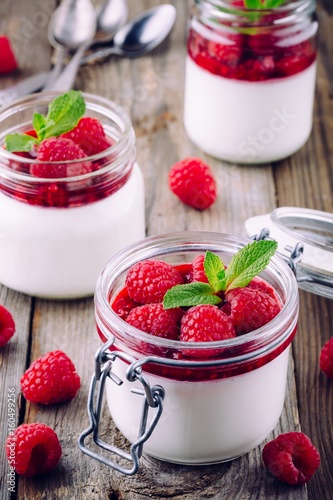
x=255 y=57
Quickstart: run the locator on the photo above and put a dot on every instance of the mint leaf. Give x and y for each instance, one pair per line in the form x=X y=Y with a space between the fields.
x=253 y=4
x=263 y=4
x=214 y=270
x=273 y=4
x=38 y=123
x=248 y=262
x=20 y=142
x=63 y=114
x=191 y=294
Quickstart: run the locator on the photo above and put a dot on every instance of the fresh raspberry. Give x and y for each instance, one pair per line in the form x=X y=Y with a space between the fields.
x=154 y=319
x=291 y=458
x=8 y=61
x=198 y=269
x=326 y=358
x=259 y=284
x=58 y=149
x=50 y=379
x=193 y=182
x=250 y=309
x=148 y=281
x=205 y=323
x=33 y=449
x=7 y=326
x=89 y=135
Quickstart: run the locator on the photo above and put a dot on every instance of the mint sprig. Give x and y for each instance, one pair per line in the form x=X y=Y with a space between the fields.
x=263 y=4
x=244 y=266
x=64 y=113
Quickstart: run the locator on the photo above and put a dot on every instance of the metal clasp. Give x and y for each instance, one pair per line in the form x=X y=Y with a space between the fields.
x=293 y=259
x=153 y=398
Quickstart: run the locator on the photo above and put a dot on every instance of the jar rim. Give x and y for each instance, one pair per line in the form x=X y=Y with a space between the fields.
x=93 y=103
x=105 y=316
x=224 y=11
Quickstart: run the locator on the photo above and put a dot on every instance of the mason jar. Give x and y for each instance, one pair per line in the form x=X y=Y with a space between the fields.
x=250 y=79
x=57 y=234
x=168 y=396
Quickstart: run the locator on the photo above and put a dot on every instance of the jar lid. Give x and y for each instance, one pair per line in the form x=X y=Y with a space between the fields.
x=310 y=230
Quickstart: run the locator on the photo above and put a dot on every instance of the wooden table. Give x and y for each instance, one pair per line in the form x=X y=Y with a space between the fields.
x=151 y=89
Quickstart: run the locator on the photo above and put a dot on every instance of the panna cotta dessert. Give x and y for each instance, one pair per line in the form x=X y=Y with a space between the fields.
x=71 y=192
x=197 y=344
x=250 y=79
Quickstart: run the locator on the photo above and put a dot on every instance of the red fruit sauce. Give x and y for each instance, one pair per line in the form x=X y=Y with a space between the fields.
x=98 y=184
x=251 y=57
x=122 y=304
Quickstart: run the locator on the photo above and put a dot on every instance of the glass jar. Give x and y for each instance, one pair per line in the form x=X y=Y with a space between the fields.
x=57 y=234
x=200 y=409
x=250 y=79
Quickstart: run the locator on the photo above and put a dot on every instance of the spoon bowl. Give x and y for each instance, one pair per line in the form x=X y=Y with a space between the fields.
x=103 y=24
x=139 y=36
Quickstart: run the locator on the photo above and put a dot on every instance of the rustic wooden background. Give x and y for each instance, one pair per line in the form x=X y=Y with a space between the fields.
x=151 y=89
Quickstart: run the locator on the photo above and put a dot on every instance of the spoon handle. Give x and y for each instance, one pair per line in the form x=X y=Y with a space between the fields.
x=98 y=54
x=56 y=70
x=66 y=78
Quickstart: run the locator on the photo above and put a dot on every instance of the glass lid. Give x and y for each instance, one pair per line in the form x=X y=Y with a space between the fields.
x=310 y=229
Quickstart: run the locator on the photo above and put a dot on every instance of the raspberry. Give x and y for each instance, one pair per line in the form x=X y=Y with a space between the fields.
x=198 y=269
x=193 y=182
x=89 y=135
x=8 y=61
x=154 y=319
x=148 y=281
x=326 y=358
x=7 y=326
x=50 y=379
x=291 y=458
x=205 y=323
x=250 y=309
x=33 y=449
x=58 y=149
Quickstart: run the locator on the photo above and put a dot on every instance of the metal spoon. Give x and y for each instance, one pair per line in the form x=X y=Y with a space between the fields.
x=139 y=36
x=108 y=18
x=137 y=40
x=72 y=24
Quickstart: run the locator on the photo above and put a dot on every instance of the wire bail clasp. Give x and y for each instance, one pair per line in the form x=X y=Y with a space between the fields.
x=153 y=397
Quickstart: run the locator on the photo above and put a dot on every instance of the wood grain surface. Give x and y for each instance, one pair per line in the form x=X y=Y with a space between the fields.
x=151 y=90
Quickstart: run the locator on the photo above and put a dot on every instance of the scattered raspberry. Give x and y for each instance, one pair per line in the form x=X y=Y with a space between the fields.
x=154 y=319
x=8 y=61
x=33 y=449
x=7 y=326
x=89 y=135
x=205 y=323
x=198 y=269
x=193 y=182
x=326 y=358
x=250 y=309
x=291 y=458
x=148 y=281
x=50 y=379
x=58 y=149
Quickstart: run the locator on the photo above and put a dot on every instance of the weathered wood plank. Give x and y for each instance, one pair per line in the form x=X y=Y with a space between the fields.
x=150 y=89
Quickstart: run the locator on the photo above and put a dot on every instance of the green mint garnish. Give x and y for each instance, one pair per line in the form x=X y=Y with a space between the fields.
x=64 y=113
x=263 y=4
x=244 y=266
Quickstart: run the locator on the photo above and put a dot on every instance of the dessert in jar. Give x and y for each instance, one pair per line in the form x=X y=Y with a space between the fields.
x=215 y=398
x=250 y=78
x=70 y=196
